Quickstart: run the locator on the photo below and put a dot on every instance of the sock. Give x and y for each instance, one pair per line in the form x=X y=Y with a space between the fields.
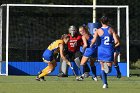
x=117 y=68
x=82 y=69
x=104 y=77
x=93 y=69
x=45 y=71
x=86 y=68
x=110 y=69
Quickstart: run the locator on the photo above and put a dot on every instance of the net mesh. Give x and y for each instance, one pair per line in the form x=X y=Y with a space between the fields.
x=32 y=29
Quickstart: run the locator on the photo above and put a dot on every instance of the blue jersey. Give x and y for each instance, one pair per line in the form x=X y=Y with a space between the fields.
x=106 y=47
x=90 y=51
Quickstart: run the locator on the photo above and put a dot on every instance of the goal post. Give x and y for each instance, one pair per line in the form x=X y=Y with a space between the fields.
x=3 y=63
x=7 y=6
x=0 y=38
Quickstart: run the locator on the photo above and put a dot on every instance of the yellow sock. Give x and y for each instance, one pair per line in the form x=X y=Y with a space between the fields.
x=48 y=69
x=45 y=71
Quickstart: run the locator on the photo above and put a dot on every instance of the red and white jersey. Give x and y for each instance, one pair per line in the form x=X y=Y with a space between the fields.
x=74 y=43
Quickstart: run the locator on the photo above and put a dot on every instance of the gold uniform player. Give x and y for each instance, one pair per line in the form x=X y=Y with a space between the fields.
x=48 y=56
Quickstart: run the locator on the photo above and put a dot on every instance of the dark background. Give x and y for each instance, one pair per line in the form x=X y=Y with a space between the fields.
x=36 y=20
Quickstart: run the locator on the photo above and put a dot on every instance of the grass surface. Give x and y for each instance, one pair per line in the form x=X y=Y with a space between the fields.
x=54 y=84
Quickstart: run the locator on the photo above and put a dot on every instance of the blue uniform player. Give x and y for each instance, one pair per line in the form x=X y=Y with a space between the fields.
x=88 y=52
x=106 y=35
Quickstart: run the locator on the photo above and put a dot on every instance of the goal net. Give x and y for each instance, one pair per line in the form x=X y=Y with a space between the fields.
x=27 y=29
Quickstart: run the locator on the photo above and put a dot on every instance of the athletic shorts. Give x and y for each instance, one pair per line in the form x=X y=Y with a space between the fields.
x=117 y=49
x=90 y=52
x=72 y=55
x=48 y=55
x=105 y=54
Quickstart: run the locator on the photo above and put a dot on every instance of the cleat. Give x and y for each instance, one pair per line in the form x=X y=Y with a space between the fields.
x=106 y=68
x=83 y=75
x=42 y=79
x=119 y=75
x=37 y=78
x=79 y=78
x=62 y=75
x=105 y=86
x=95 y=78
x=86 y=74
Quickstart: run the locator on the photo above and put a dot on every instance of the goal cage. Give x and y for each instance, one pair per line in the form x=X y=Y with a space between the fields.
x=27 y=29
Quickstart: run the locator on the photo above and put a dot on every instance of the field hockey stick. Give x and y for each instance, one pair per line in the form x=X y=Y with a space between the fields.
x=73 y=71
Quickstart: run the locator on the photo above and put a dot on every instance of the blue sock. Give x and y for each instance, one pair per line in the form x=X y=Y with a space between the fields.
x=82 y=70
x=86 y=68
x=110 y=69
x=93 y=69
x=117 y=68
x=104 y=77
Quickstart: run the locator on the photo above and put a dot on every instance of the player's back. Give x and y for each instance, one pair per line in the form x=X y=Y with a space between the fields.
x=106 y=47
x=54 y=45
x=106 y=39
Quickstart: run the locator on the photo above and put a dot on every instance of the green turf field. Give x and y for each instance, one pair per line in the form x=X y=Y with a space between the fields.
x=54 y=84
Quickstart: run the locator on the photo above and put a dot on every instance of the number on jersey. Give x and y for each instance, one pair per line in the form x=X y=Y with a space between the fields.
x=106 y=40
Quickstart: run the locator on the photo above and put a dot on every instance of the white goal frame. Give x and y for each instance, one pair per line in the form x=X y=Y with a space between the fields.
x=118 y=7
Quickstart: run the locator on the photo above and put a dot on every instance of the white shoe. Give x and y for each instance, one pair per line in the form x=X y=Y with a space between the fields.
x=95 y=78
x=105 y=86
x=106 y=68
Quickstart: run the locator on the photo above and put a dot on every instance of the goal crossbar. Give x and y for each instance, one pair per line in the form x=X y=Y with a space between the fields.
x=82 y=6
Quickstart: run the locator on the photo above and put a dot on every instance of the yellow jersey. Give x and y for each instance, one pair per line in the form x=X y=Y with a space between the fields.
x=54 y=46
